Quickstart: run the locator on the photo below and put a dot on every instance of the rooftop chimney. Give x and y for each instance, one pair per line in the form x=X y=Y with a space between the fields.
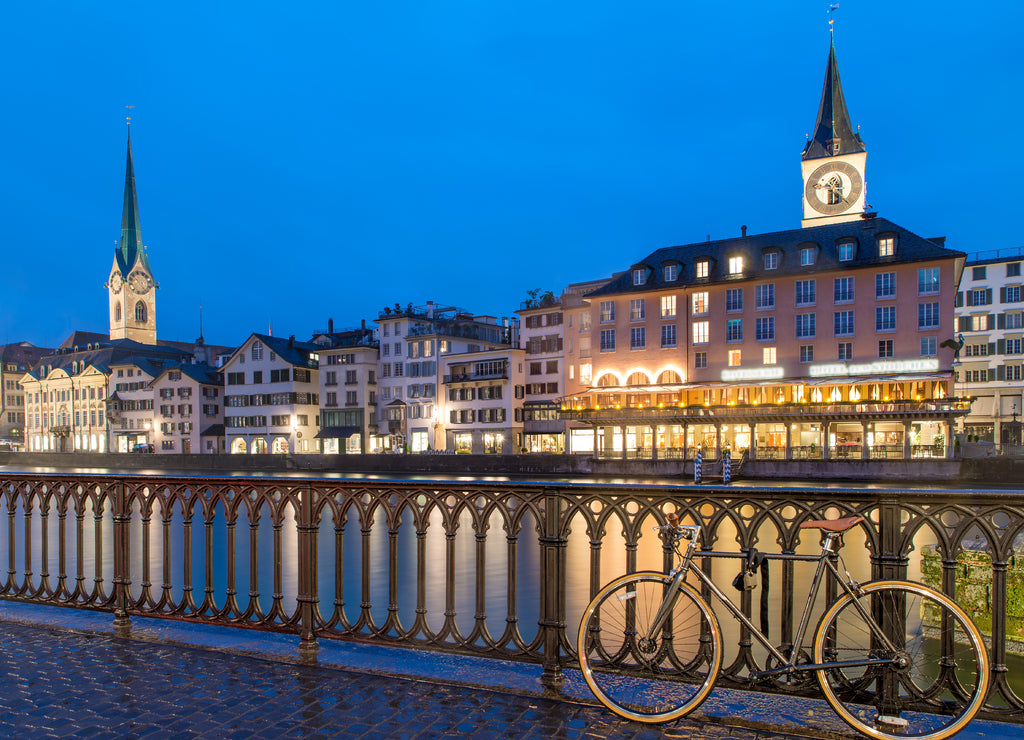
x=430 y=309
x=743 y=230
x=330 y=326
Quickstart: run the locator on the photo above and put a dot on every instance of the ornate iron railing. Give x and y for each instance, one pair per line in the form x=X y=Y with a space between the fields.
x=500 y=569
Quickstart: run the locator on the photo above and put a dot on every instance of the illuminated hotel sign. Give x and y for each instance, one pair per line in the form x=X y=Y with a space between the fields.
x=880 y=367
x=754 y=373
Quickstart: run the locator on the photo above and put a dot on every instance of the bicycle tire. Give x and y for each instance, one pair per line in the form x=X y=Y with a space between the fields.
x=652 y=683
x=945 y=677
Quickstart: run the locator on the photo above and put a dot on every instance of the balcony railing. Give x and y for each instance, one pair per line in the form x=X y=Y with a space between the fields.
x=134 y=546
x=471 y=377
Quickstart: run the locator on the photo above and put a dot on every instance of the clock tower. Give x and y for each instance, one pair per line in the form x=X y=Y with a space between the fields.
x=131 y=288
x=834 y=159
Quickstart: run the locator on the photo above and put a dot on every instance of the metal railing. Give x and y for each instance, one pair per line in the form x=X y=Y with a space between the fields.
x=500 y=569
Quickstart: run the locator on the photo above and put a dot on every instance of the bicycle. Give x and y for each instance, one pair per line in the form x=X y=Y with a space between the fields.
x=894 y=659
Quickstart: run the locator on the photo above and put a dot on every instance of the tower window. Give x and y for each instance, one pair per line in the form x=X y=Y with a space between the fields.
x=117 y=311
x=140 y=312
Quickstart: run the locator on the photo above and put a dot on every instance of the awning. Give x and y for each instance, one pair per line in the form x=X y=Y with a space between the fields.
x=337 y=432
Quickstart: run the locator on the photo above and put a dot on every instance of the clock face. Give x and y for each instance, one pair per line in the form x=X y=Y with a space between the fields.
x=834 y=188
x=139 y=282
x=116 y=282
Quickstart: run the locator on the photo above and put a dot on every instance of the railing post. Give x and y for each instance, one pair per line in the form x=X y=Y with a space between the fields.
x=552 y=578
x=122 y=556
x=307 y=596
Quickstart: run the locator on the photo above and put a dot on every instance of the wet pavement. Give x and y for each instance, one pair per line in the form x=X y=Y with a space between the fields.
x=66 y=673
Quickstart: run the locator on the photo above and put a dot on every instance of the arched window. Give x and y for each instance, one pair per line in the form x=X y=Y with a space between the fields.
x=279 y=446
x=669 y=377
x=140 y=312
x=259 y=446
x=638 y=378
x=117 y=311
x=608 y=380
x=238 y=446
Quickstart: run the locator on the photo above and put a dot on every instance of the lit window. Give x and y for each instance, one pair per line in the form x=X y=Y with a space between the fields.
x=886 y=246
x=700 y=303
x=637 y=309
x=735 y=265
x=771 y=260
x=607 y=311
x=734 y=358
x=807 y=256
x=846 y=251
x=668 y=306
x=768 y=356
x=639 y=276
x=701 y=332
x=701 y=269
x=979 y=323
x=671 y=273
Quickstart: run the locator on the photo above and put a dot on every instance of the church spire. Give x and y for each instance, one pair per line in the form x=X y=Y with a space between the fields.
x=131 y=249
x=833 y=133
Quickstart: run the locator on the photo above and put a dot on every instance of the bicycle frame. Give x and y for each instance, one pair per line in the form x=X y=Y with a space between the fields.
x=824 y=559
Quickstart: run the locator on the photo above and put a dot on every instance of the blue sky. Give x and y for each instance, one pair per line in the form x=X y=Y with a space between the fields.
x=310 y=160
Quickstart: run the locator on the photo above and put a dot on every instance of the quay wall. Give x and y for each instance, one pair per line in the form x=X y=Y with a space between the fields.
x=993 y=470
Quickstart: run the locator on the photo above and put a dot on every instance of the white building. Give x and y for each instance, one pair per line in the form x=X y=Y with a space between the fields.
x=484 y=395
x=348 y=390
x=188 y=410
x=271 y=396
x=414 y=342
x=990 y=321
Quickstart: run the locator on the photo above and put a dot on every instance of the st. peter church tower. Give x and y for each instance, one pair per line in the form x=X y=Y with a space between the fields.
x=131 y=287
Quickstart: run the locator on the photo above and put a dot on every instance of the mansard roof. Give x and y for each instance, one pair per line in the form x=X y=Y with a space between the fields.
x=863 y=232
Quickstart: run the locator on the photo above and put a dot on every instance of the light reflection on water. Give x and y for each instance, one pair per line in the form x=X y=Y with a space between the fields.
x=340 y=575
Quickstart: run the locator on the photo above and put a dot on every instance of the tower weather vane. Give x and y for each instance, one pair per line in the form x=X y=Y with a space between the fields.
x=831 y=16
x=129 y=107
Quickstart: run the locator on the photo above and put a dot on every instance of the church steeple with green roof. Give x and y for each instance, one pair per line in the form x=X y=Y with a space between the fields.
x=131 y=289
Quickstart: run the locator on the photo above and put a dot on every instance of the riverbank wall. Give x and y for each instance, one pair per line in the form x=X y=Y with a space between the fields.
x=1005 y=471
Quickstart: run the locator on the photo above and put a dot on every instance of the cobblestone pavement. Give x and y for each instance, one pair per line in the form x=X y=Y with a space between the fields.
x=60 y=683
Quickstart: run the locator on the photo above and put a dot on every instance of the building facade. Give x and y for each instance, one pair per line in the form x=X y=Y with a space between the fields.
x=348 y=390
x=831 y=340
x=271 y=396
x=188 y=411
x=16 y=359
x=483 y=401
x=414 y=345
x=990 y=323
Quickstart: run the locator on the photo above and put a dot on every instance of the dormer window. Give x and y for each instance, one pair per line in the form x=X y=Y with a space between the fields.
x=807 y=256
x=671 y=273
x=702 y=268
x=846 y=251
x=771 y=261
x=886 y=246
x=639 y=276
x=736 y=265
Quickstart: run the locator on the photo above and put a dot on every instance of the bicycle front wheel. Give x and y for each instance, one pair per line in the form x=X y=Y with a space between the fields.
x=930 y=675
x=645 y=676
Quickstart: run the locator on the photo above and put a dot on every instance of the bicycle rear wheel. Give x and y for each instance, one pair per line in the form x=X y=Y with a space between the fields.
x=654 y=680
x=933 y=680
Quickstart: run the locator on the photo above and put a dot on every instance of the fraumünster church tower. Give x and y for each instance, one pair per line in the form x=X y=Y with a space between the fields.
x=131 y=287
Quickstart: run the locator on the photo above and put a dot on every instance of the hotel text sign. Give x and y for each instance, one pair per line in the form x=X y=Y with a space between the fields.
x=879 y=367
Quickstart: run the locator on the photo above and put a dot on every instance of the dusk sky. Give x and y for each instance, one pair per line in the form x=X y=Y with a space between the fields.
x=296 y=162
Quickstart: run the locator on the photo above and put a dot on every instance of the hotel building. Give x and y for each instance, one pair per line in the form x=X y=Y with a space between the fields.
x=831 y=340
